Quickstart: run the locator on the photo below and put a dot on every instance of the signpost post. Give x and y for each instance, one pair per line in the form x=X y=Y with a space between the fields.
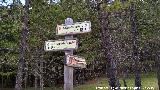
x=68 y=71
x=68 y=45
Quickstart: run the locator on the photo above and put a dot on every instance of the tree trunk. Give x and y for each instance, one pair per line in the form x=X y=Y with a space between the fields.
x=158 y=68
x=2 y=75
x=41 y=75
x=36 y=73
x=35 y=82
x=41 y=69
x=134 y=32
x=23 y=46
x=111 y=67
x=26 y=75
x=124 y=77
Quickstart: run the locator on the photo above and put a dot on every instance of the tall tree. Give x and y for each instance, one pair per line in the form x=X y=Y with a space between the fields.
x=23 y=46
x=107 y=43
x=135 y=55
x=111 y=67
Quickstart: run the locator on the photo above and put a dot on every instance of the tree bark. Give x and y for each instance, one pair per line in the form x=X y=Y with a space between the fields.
x=23 y=46
x=36 y=66
x=39 y=67
x=158 y=68
x=124 y=77
x=2 y=75
x=41 y=75
x=35 y=82
x=111 y=67
x=135 y=54
x=26 y=75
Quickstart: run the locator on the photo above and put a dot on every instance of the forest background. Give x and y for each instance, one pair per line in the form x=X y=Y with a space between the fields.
x=44 y=15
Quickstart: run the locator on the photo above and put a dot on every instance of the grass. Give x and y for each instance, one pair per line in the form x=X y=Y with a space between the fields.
x=148 y=81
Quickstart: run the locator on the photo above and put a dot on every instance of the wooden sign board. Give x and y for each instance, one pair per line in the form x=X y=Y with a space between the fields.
x=76 y=28
x=56 y=45
x=75 y=61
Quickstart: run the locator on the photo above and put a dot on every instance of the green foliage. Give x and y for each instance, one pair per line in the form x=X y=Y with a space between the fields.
x=10 y=28
x=117 y=5
x=44 y=17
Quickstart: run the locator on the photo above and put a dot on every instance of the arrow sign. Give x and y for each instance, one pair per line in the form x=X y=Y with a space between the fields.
x=76 y=61
x=56 y=45
x=76 y=28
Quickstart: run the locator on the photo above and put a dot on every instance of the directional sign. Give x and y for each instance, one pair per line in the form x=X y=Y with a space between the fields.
x=78 y=27
x=76 y=61
x=56 y=45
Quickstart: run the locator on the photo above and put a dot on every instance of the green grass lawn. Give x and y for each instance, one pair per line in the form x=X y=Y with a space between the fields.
x=148 y=81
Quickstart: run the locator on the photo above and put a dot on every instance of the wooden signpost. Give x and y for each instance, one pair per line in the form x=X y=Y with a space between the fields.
x=68 y=71
x=68 y=45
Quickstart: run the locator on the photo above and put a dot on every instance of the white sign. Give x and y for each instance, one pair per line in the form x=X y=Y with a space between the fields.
x=76 y=61
x=55 y=45
x=78 y=27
